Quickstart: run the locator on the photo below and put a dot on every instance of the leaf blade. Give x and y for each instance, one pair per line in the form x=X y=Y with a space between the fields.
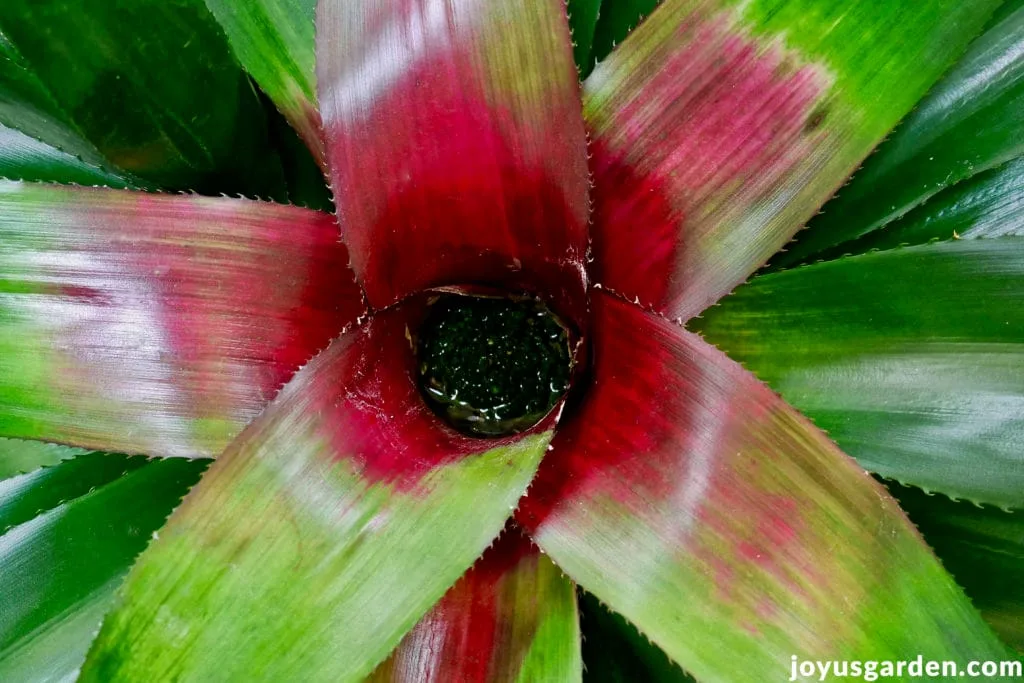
x=21 y=457
x=511 y=617
x=982 y=547
x=988 y=204
x=723 y=525
x=274 y=40
x=22 y=157
x=909 y=358
x=61 y=568
x=323 y=534
x=494 y=189
x=152 y=85
x=969 y=123
x=181 y=328
x=725 y=125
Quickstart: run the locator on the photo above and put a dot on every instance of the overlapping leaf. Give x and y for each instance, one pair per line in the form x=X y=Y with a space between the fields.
x=323 y=534
x=152 y=85
x=456 y=146
x=583 y=18
x=274 y=40
x=615 y=652
x=693 y=501
x=22 y=157
x=972 y=121
x=990 y=204
x=78 y=527
x=27 y=105
x=911 y=359
x=512 y=617
x=983 y=547
x=157 y=324
x=20 y=457
x=719 y=127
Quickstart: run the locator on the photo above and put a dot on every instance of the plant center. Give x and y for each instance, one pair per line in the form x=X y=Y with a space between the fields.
x=492 y=366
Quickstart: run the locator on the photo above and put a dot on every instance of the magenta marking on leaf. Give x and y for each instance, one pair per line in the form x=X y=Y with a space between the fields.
x=373 y=407
x=707 y=129
x=456 y=159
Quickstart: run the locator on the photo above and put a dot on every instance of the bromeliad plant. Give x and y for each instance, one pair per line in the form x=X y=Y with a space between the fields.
x=498 y=402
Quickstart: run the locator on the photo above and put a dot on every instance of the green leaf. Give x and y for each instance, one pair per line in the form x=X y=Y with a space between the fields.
x=983 y=547
x=61 y=567
x=27 y=105
x=29 y=495
x=583 y=17
x=24 y=158
x=275 y=41
x=304 y=177
x=972 y=121
x=615 y=652
x=691 y=499
x=617 y=19
x=166 y=338
x=512 y=617
x=323 y=534
x=719 y=128
x=911 y=359
x=990 y=204
x=152 y=84
x=19 y=457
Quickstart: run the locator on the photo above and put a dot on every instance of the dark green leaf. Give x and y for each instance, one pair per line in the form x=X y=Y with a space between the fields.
x=616 y=20
x=615 y=652
x=983 y=547
x=27 y=104
x=303 y=176
x=60 y=569
x=991 y=204
x=28 y=496
x=22 y=157
x=153 y=85
x=911 y=359
x=583 y=16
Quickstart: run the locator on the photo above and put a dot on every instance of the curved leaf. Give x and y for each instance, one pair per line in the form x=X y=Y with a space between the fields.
x=152 y=85
x=456 y=145
x=27 y=106
x=24 y=158
x=32 y=494
x=157 y=324
x=60 y=568
x=694 y=502
x=990 y=204
x=983 y=547
x=20 y=457
x=274 y=40
x=615 y=652
x=323 y=534
x=512 y=617
x=719 y=127
x=911 y=359
x=973 y=120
